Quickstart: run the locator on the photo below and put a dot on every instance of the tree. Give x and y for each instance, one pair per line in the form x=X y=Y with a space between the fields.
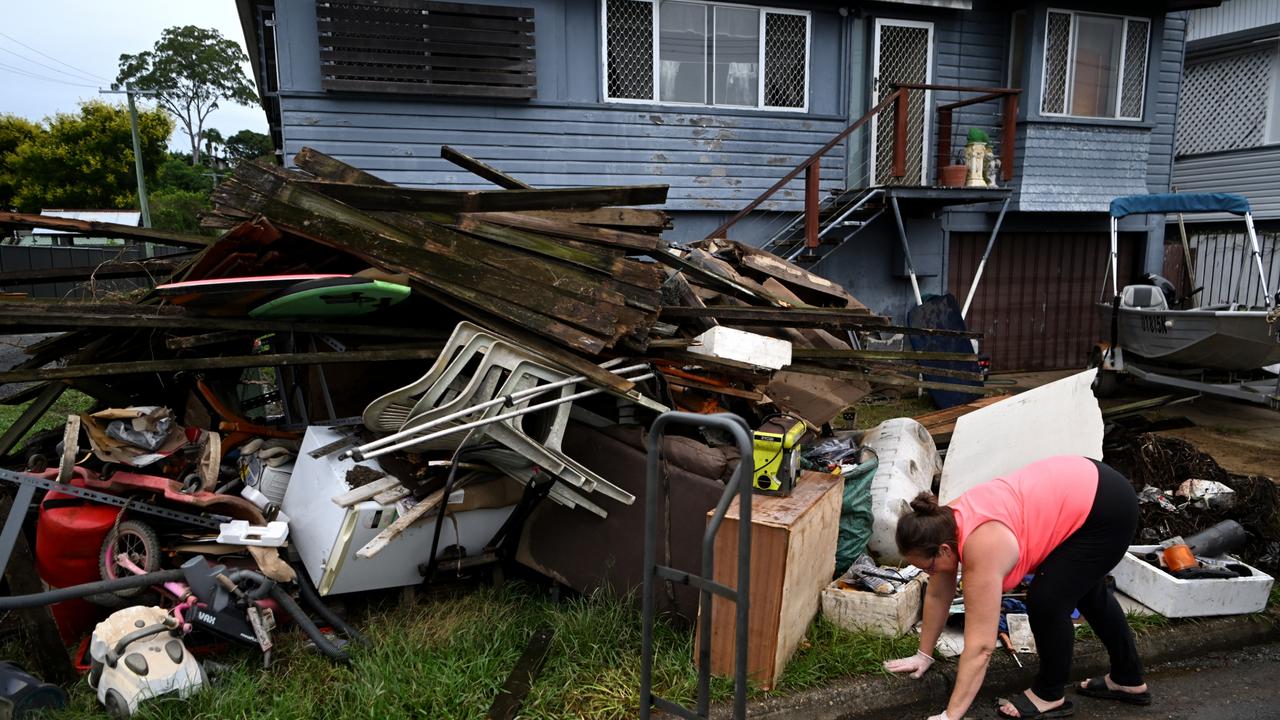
x=86 y=159
x=212 y=141
x=177 y=173
x=248 y=145
x=178 y=210
x=14 y=131
x=191 y=70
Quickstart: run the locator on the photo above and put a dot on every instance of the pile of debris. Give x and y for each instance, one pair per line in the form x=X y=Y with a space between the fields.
x=358 y=385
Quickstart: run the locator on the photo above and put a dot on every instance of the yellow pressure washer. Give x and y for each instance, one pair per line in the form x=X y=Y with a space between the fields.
x=777 y=455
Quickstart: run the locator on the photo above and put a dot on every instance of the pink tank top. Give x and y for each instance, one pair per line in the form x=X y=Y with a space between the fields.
x=1042 y=503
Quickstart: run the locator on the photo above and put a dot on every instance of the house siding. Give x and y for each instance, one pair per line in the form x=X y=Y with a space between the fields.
x=1234 y=16
x=1254 y=173
x=1080 y=168
x=1163 y=97
x=713 y=159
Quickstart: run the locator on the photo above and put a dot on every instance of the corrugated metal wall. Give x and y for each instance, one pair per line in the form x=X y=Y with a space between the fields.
x=14 y=258
x=1036 y=303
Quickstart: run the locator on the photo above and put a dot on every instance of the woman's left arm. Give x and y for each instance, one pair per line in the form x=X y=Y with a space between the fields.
x=994 y=551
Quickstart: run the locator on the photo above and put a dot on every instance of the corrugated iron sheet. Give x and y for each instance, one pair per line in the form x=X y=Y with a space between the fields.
x=1036 y=300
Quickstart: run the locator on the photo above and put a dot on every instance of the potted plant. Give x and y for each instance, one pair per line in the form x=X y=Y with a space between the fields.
x=953 y=175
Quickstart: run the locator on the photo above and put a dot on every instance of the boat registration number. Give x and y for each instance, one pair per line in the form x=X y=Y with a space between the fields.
x=1154 y=324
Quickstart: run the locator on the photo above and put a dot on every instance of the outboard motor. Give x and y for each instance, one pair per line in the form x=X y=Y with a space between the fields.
x=1166 y=288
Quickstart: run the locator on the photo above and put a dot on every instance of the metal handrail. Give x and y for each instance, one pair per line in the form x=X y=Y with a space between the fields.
x=899 y=98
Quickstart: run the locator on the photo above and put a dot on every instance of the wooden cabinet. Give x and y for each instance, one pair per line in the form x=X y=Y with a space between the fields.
x=793 y=545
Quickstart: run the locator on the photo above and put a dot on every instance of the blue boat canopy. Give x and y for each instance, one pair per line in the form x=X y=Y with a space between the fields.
x=1179 y=202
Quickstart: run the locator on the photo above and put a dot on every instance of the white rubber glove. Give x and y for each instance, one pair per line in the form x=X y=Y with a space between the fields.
x=916 y=665
x=940 y=716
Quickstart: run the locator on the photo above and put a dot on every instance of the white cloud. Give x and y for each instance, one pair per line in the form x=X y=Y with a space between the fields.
x=89 y=36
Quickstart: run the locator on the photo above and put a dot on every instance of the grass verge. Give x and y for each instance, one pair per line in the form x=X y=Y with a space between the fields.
x=70 y=403
x=447 y=657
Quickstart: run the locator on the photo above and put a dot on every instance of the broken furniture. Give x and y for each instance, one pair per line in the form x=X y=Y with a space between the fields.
x=792 y=560
x=334 y=518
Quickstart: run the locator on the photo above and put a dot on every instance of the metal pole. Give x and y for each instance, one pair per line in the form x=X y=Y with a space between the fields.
x=982 y=264
x=359 y=456
x=137 y=165
x=1257 y=258
x=1113 y=263
x=906 y=249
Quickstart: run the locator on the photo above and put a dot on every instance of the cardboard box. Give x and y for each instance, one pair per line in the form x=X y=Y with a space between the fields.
x=1171 y=597
x=793 y=542
x=892 y=614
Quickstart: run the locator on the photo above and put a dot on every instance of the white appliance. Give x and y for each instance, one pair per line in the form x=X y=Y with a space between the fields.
x=327 y=536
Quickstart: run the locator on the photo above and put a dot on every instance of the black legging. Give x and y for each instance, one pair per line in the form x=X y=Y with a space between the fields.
x=1073 y=576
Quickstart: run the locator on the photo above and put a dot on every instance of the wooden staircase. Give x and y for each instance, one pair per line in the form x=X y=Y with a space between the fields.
x=841 y=216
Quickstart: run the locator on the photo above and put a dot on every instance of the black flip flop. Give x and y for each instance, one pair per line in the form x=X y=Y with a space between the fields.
x=1097 y=687
x=1028 y=711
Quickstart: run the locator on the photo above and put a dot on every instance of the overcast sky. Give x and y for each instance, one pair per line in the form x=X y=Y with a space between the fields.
x=54 y=54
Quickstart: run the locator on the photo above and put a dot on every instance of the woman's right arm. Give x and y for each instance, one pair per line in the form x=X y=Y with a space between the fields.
x=938 y=595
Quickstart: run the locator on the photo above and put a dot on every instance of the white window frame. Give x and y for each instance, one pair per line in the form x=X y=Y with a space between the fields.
x=1071 y=65
x=657 y=54
x=928 y=94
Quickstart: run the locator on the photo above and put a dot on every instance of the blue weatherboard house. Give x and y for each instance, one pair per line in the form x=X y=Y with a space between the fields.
x=830 y=133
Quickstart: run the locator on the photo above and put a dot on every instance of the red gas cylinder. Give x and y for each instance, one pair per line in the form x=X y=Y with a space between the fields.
x=69 y=535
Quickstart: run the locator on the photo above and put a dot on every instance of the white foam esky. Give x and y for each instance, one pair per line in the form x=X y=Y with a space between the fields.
x=55 y=54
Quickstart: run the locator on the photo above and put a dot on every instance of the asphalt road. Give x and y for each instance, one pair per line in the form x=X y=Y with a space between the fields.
x=1239 y=685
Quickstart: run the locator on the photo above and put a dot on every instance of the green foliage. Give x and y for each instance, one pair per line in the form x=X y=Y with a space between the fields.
x=178 y=210
x=248 y=145
x=177 y=173
x=14 y=131
x=191 y=70
x=84 y=160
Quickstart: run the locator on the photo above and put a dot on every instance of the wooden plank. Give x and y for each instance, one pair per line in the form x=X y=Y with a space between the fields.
x=482 y=170
x=213 y=363
x=539 y=344
x=383 y=197
x=392 y=495
x=408 y=88
x=404 y=522
x=713 y=279
x=365 y=492
x=328 y=168
x=653 y=220
x=832 y=354
x=313 y=215
x=586 y=233
x=684 y=382
x=875 y=367
x=40 y=315
x=106 y=229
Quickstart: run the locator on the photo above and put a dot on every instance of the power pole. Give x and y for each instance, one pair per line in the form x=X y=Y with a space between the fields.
x=147 y=249
x=137 y=148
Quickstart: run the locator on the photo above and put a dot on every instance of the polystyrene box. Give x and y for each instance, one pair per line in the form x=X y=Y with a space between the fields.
x=742 y=346
x=1175 y=598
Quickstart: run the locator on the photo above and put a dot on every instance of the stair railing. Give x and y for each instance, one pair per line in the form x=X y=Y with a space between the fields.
x=898 y=98
x=812 y=168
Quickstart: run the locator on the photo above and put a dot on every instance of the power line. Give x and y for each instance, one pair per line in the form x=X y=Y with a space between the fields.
x=21 y=57
x=39 y=52
x=27 y=73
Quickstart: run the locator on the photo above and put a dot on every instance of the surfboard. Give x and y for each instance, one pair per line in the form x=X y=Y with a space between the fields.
x=233 y=296
x=332 y=297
